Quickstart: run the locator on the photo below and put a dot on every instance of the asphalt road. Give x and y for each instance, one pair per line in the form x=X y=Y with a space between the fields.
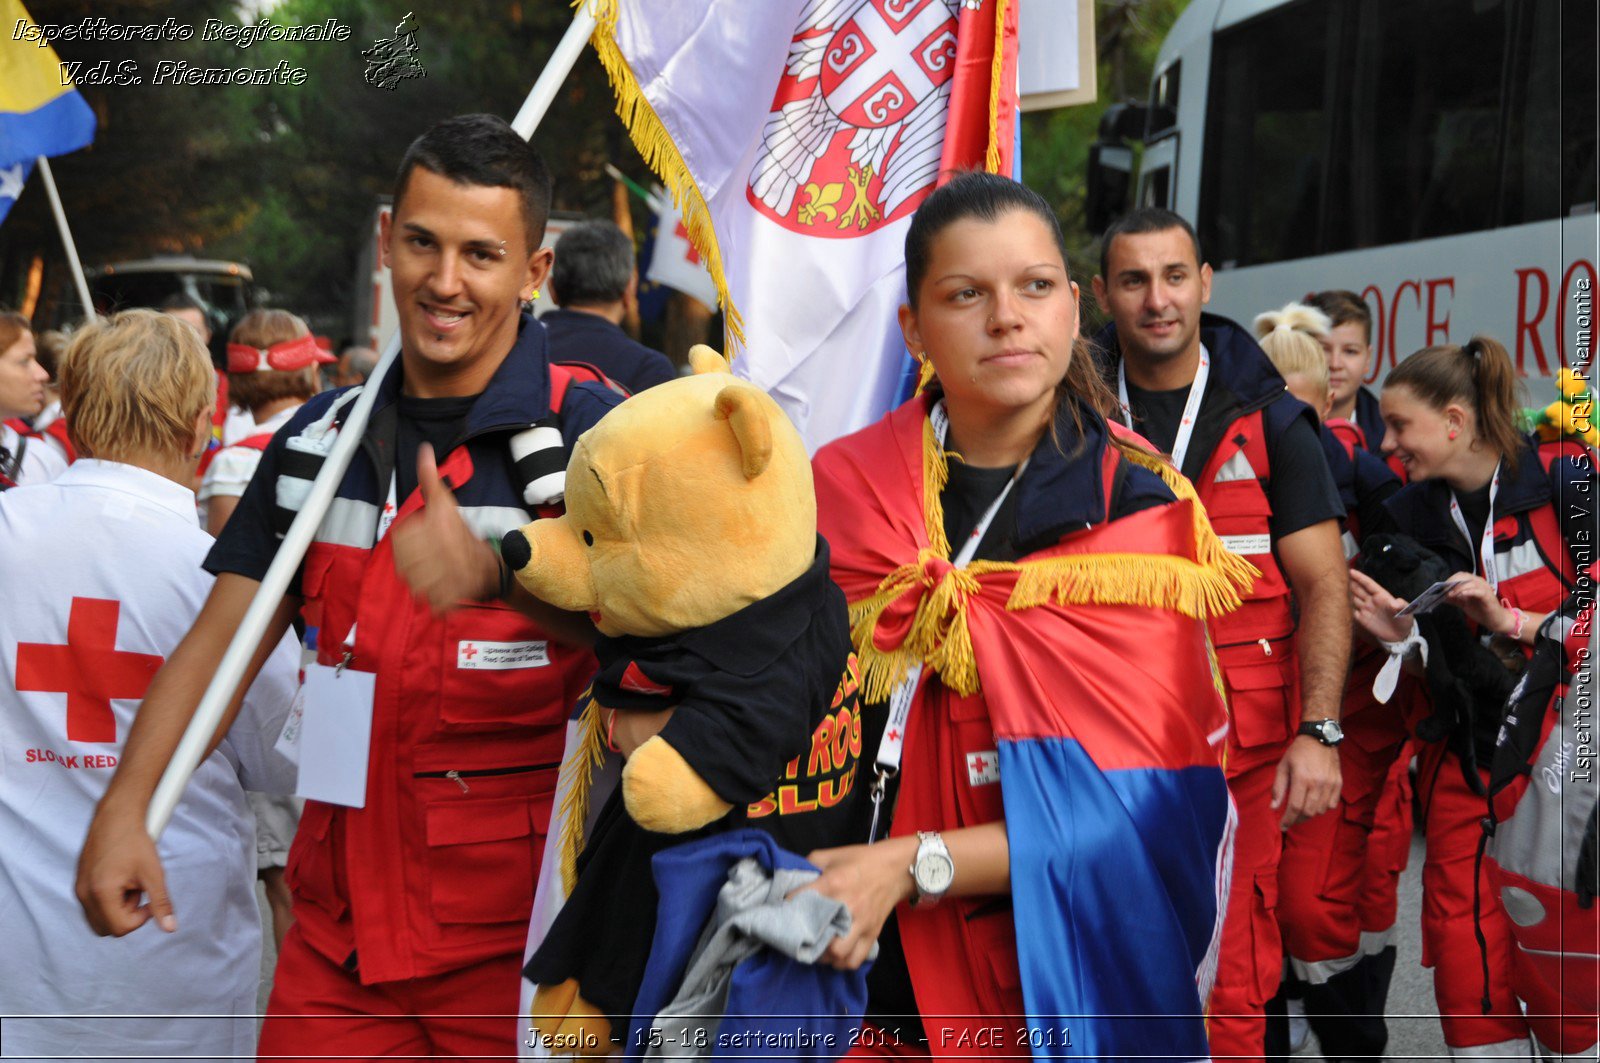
x=1413 y=1017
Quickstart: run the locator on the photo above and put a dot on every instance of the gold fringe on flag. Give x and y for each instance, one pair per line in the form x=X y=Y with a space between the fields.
x=991 y=159
x=1207 y=586
x=656 y=146
x=578 y=772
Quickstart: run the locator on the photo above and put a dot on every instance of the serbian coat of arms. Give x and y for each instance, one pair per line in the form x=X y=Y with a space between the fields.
x=857 y=124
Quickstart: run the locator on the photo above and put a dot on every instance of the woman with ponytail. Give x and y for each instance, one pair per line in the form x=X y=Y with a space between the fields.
x=1028 y=587
x=1500 y=509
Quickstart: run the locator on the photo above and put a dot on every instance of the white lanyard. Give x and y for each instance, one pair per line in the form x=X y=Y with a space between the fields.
x=1191 y=408
x=1486 y=546
x=390 y=510
x=887 y=764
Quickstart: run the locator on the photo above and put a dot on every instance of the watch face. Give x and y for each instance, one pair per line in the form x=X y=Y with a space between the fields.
x=1332 y=731
x=934 y=873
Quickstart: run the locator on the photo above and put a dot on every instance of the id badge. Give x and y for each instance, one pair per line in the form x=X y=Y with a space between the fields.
x=336 y=735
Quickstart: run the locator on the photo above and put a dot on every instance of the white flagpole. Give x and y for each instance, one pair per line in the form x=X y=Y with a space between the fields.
x=275 y=584
x=66 y=238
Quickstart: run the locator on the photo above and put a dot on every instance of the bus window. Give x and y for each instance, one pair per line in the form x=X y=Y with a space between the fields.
x=1155 y=187
x=1267 y=131
x=1426 y=121
x=1578 y=119
x=1163 y=110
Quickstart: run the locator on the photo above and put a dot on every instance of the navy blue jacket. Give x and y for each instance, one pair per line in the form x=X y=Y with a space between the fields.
x=579 y=337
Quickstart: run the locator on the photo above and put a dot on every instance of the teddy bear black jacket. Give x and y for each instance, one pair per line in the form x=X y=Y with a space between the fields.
x=775 y=664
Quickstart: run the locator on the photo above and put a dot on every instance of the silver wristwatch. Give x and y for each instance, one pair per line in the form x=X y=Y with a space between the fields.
x=932 y=871
x=1328 y=732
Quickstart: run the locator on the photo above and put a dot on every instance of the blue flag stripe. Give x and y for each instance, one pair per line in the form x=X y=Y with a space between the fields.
x=64 y=124
x=1113 y=874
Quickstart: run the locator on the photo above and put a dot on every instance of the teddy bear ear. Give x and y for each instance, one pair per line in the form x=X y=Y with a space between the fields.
x=740 y=405
x=703 y=359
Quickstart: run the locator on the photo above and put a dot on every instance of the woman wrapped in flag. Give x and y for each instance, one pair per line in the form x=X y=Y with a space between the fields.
x=1028 y=587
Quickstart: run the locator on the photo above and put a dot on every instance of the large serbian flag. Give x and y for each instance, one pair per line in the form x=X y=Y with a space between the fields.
x=1087 y=663
x=798 y=137
x=41 y=112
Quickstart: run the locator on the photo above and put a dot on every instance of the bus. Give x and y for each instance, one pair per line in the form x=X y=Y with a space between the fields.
x=225 y=290
x=1435 y=156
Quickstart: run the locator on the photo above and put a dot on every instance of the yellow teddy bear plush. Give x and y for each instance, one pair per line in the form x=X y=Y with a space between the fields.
x=690 y=538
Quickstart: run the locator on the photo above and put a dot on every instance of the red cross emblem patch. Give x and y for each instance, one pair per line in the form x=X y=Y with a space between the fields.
x=89 y=669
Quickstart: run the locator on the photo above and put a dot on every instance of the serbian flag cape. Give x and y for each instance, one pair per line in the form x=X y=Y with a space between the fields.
x=41 y=112
x=797 y=138
x=1091 y=660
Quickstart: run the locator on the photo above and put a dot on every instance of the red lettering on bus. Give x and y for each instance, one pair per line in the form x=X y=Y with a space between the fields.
x=1436 y=326
x=1528 y=327
x=1376 y=295
x=1566 y=301
x=1394 y=314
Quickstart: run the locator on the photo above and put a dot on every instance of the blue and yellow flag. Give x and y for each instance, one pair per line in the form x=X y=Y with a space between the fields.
x=41 y=112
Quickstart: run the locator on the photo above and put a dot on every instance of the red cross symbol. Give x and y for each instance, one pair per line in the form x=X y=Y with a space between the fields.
x=471 y=651
x=894 y=734
x=979 y=765
x=89 y=669
x=683 y=234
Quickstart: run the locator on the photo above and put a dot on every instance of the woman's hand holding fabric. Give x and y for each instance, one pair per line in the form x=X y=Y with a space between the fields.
x=870 y=880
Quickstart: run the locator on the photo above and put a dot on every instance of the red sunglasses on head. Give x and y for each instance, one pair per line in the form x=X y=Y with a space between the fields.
x=284 y=357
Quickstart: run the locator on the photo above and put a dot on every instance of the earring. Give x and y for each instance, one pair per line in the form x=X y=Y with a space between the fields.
x=1452 y=433
x=534 y=296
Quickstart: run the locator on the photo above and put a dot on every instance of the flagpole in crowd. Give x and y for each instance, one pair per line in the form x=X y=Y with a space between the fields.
x=275 y=584
x=66 y=238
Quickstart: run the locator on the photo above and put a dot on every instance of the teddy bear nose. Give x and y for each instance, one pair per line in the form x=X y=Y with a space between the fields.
x=515 y=549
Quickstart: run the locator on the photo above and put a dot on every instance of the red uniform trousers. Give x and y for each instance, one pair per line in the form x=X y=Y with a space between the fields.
x=1250 y=964
x=320 y=1010
x=1323 y=870
x=1452 y=817
x=1388 y=853
x=1554 y=972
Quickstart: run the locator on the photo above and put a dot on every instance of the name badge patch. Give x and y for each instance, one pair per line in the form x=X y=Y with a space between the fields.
x=499 y=656
x=1247 y=544
x=983 y=768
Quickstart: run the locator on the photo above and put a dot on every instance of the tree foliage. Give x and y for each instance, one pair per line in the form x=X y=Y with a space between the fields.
x=1055 y=144
x=285 y=177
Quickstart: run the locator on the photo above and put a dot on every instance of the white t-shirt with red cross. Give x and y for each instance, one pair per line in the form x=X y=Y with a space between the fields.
x=100 y=580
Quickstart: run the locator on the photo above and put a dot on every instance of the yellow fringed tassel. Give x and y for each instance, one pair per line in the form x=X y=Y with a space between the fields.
x=1208 y=548
x=659 y=152
x=1155 y=581
x=935 y=474
x=1209 y=585
x=991 y=156
x=579 y=768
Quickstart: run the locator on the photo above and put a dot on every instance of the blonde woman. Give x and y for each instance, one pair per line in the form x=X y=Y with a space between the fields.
x=1333 y=932
x=101 y=580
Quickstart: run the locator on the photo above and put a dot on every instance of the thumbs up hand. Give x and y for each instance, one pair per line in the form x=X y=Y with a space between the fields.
x=438 y=556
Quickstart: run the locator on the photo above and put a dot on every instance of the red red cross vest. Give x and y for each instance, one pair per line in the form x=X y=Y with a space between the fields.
x=438 y=870
x=1255 y=644
x=1530 y=551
